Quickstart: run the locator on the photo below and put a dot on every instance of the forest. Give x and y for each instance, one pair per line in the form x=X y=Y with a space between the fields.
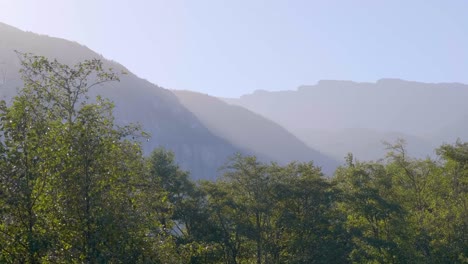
x=75 y=187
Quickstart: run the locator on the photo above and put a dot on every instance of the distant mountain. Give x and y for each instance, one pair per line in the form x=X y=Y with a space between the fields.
x=202 y=140
x=247 y=130
x=337 y=117
x=331 y=117
x=457 y=130
x=365 y=144
x=137 y=101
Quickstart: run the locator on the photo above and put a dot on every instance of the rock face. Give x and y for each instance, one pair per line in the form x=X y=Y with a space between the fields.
x=137 y=101
x=336 y=117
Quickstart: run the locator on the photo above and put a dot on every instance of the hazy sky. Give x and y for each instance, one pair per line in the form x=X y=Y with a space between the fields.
x=229 y=48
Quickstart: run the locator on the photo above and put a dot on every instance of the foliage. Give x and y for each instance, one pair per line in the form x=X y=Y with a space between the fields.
x=76 y=188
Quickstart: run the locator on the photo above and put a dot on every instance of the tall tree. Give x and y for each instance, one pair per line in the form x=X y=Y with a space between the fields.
x=450 y=209
x=373 y=217
x=69 y=174
x=307 y=228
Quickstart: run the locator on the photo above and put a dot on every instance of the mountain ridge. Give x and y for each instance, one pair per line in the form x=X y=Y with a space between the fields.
x=136 y=101
x=246 y=129
x=424 y=113
x=158 y=110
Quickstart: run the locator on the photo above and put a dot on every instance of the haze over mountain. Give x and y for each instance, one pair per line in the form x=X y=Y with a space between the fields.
x=199 y=148
x=333 y=117
x=137 y=101
x=248 y=130
x=337 y=117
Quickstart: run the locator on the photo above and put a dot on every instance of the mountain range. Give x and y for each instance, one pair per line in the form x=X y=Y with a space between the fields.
x=202 y=142
x=320 y=123
x=337 y=117
x=248 y=130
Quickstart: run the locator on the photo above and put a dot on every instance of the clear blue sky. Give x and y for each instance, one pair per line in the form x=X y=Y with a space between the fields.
x=229 y=48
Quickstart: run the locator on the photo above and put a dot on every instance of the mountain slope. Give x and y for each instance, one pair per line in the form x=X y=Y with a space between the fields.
x=330 y=112
x=137 y=101
x=365 y=144
x=247 y=130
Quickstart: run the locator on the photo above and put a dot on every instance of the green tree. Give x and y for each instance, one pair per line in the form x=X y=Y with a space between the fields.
x=70 y=176
x=27 y=143
x=252 y=183
x=373 y=218
x=176 y=203
x=450 y=208
x=307 y=228
x=414 y=187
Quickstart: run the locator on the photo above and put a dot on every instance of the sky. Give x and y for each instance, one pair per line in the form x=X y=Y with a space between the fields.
x=230 y=48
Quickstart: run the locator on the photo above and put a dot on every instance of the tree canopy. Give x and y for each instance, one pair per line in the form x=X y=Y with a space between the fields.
x=76 y=188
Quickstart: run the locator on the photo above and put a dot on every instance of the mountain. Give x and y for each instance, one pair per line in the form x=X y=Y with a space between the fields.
x=247 y=130
x=337 y=117
x=158 y=111
x=365 y=144
x=199 y=146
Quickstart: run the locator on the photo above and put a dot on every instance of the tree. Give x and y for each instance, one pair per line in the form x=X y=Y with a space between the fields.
x=451 y=204
x=308 y=228
x=374 y=220
x=253 y=186
x=180 y=212
x=27 y=142
x=414 y=184
x=69 y=174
